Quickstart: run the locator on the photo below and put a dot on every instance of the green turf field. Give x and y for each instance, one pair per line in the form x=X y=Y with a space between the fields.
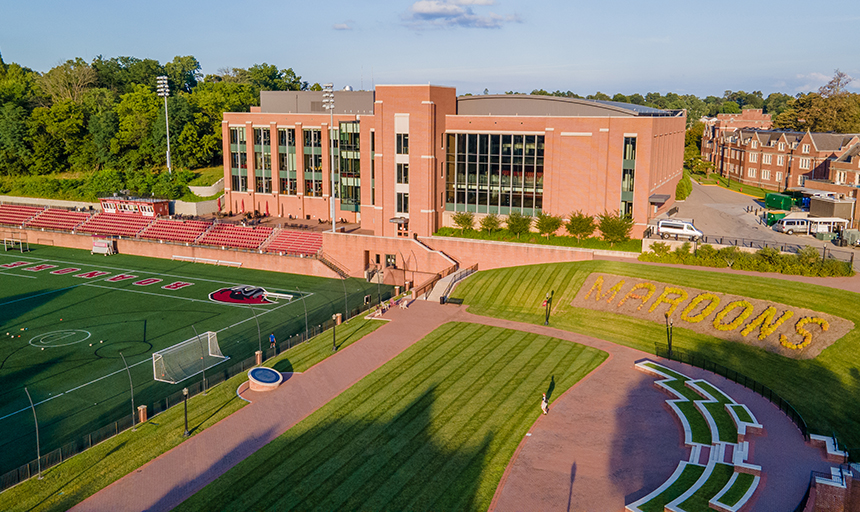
x=432 y=429
x=66 y=330
x=824 y=390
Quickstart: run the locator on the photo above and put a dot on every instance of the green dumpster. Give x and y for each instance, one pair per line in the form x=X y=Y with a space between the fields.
x=774 y=216
x=826 y=236
x=778 y=201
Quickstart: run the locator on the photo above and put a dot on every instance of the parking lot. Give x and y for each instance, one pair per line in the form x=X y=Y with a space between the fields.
x=728 y=217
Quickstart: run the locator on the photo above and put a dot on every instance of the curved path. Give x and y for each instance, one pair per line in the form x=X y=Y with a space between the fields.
x=606 y=442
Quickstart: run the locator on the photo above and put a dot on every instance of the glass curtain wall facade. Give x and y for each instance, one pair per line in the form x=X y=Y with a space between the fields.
x=313 y=162
x=262 y=160
x=287 y=161
x=238 y=160
x=350 y=166
x=494 y=173
x=628 y=176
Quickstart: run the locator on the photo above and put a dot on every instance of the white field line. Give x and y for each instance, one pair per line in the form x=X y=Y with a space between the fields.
x=40 y=294
x=17 y=275
x=149 y=359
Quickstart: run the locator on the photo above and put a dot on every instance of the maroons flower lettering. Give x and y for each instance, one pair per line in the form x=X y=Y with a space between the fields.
x=598 y=286
x=698 y=299
x=681 y=296
x=734 y=324
x=801 y=330
x=767 y=323
x=633 y=295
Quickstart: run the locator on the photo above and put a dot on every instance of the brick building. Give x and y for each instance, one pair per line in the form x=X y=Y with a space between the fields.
x=406 y=157
x=777 y=160
x=748 y=118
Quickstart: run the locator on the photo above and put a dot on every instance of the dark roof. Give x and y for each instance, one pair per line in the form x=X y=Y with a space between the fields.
x=553 y=106
x=831 y=141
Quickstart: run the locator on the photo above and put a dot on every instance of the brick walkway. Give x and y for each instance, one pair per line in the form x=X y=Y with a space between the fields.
x=606 y=442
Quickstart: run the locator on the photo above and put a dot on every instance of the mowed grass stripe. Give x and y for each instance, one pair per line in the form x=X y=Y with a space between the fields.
x=426 y=420
x=305 y=444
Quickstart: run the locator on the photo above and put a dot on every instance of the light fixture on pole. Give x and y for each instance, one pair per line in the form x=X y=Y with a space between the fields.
x=328 y=104
x=164 y=92
x=185 y=401
x=333 y=338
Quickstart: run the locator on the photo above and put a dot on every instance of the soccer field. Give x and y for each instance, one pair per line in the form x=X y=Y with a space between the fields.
x=66 y=316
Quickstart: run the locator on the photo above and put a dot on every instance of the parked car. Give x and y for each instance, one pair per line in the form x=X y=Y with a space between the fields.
x=792 y=226
x=678 y=228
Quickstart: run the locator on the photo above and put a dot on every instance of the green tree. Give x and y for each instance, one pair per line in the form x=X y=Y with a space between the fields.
x=136 y=112
x=183 y=73
x=580 y=225
x=621 y=98
x=68 y=81
x=13 y=131
x=518 y=224
x=491 y=223
x=547 y=224
x=267 y=77
x=776 y=103
x=464 y=220
x=614 y=227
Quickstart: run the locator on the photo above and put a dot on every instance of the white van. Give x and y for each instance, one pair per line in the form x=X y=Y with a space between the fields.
x=792 y=226
x=678 y=228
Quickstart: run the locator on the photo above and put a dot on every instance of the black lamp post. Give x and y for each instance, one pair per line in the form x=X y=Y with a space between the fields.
x=669 y=325
x=185 y=397
x=333 y=340
x=548 y=303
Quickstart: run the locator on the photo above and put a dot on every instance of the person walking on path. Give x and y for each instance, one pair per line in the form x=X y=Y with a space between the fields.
x=272 y=340
x=544 y=404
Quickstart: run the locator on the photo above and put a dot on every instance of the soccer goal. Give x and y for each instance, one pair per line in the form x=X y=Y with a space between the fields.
x=183 y=360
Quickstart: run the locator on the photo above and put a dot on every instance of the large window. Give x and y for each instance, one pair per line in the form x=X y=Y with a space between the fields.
x=402 y=144
x=628 y=176
x=313 y=162
x=403 y=174
x=402 y=202
x=349 y=149
x=287 y=161
x=494 y=173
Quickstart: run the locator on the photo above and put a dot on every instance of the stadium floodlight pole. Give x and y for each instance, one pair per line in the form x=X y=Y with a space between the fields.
x=131 y=385
x=202 y=359
x=38 y=448
x=333 y=338
x=185 y=400
x=259 y=335
x=164 y=92
x=328 y=104
x=306 y=312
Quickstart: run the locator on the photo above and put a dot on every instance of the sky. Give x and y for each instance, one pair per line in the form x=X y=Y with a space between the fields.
x=701 y=48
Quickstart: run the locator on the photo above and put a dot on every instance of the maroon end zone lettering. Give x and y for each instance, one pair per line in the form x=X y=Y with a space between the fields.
x=92 y=274
x=16 y=264
x=177 y=285
x=147 y=282
x=39 y=268
x=120 y=277
x=64 y=271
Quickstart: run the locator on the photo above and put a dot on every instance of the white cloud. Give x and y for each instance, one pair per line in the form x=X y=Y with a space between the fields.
x=810 y=82
x=341 y=26
x=453 y=13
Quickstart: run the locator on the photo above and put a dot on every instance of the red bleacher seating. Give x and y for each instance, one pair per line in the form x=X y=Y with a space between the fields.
x=295 y=242
x=16 y=215
x=55 y=218
x=115 y=224
x=176 y=230
x=228 y=235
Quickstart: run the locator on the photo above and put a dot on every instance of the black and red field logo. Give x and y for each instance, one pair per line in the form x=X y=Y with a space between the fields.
x=242 y=294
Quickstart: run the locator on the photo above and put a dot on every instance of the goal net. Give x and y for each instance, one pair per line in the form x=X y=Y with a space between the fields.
x=183 y=360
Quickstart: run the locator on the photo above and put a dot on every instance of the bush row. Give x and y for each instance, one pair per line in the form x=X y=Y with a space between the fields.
x=807 y=261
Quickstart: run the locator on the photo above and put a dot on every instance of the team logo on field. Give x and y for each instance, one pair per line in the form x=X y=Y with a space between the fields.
x=242 y=294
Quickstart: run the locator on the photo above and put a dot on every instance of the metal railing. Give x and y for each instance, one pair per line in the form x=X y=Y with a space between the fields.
x=753 y=243
x=213 y=377
x=662 y=350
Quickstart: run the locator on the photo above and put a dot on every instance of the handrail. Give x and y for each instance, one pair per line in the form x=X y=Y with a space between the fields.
x=461 y=274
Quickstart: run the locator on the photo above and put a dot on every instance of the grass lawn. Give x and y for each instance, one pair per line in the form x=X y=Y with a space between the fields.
x=740 y=487
x=207 y=176
x=83 y=475
x=732 y=185
x=433 y=429
x=824 y=390
x=742 y=413
x=685 y=480
x=503 y=235
x=70 y=324
x=718 y=479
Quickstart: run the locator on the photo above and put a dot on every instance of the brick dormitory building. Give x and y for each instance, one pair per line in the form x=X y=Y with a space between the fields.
x=407 y=157
x=742 y=148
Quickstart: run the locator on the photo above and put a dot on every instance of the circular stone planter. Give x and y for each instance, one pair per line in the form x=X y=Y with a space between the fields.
x=264 y=379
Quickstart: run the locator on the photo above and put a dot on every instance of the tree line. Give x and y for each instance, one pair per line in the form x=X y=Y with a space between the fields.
x=83 y=116
x=831 y=109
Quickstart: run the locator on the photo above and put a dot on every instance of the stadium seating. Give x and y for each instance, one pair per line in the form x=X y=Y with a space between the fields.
x=176 y=230
x=295 y=242
x=55 y=218
x=115 y=224
x=15 y=215
x=228 y=235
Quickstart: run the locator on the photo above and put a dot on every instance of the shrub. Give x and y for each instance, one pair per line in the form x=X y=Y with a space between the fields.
x=548 y=224
x=684 y=187
x=580 y=225
x=519 y=224
x=660 y=248
x=464 y=220
x=614 y=228
x=491 y=223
